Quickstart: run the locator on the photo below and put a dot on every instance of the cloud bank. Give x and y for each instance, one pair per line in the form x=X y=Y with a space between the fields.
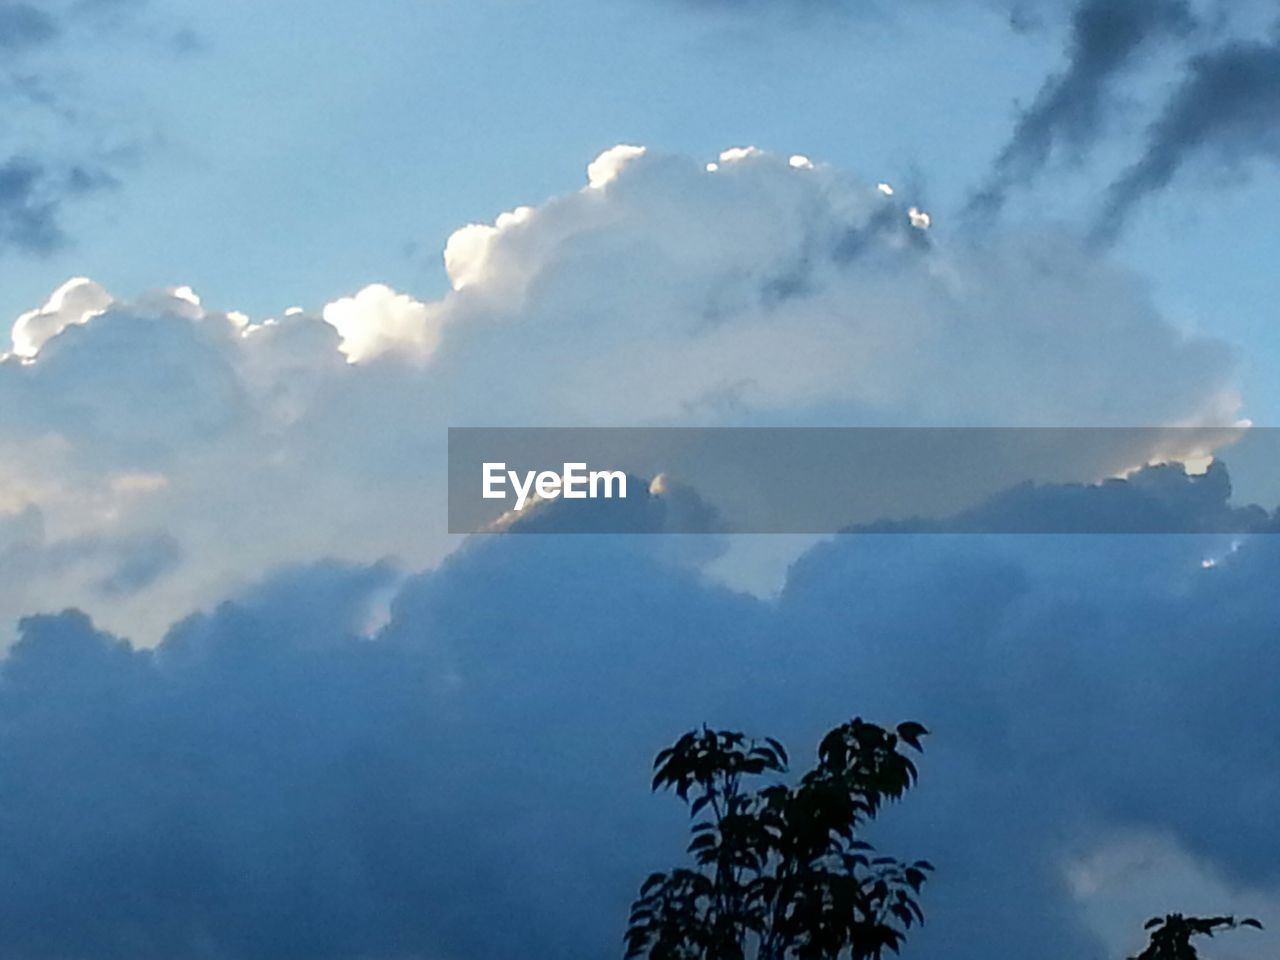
x=764 y=290
x=340 y=763
x=348 y=760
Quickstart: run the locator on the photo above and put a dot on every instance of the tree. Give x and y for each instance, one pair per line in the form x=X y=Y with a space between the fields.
x=1171 y=935
x=782 y=871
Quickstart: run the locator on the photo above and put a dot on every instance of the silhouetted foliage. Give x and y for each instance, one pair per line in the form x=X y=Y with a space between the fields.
x=782 y=871
x=1171 y=936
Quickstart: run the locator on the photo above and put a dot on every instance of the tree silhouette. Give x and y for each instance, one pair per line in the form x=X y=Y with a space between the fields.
x=1171 y=935
x=782 y=871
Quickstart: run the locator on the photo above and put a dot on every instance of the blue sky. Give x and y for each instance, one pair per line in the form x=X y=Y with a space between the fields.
x=291 y=154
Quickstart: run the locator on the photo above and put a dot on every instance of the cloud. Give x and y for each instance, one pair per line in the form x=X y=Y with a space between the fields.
x=24 y=25
x=1224 y=111
x=42 y=175
x=757 y=260
x=660 y=505
x=32 y=194
x=111 y=566
x=141 y=565
x=1107 y=38
x=378 y=320
x=760 y=292
x=689 y=530
x=77 y=301
x=1090 y=707
x=1157 y=499
x=259 y=704
x=1221 y=110
x=278 y=778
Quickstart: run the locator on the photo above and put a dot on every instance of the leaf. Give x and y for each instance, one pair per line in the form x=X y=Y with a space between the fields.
x=779 y=749
x=911 y=732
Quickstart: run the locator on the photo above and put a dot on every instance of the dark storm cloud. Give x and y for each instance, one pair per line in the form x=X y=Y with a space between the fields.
x=266 y=785
x=1107 y=37
x=472 y=781
x=1225 y=110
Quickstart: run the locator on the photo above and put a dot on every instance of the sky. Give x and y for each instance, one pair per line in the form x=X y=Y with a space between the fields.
x=259 y=704
x=303 y=157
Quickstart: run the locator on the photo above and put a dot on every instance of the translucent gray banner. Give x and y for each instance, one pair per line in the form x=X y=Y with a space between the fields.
x=828 y=480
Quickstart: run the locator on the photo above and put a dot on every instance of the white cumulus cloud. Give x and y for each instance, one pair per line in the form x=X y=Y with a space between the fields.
x=76 y=301
x=378 y=319
x=657 y=293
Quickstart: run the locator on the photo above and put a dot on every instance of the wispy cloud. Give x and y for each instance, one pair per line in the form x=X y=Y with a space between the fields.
x=1226 y=110
x=32 y=195
x=41 y=178
x=1107 y=37
x=24 y=25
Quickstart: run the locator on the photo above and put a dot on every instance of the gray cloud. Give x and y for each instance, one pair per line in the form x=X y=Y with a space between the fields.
x=1226 y=109
x=32 y=195
x=140 y=563
x=28 y=208
x=472 y=780
x=1223 y=109
x=1107 y=38
x=38 y=181
x=119 y=566
x=1160 y=499
x=24 y=25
